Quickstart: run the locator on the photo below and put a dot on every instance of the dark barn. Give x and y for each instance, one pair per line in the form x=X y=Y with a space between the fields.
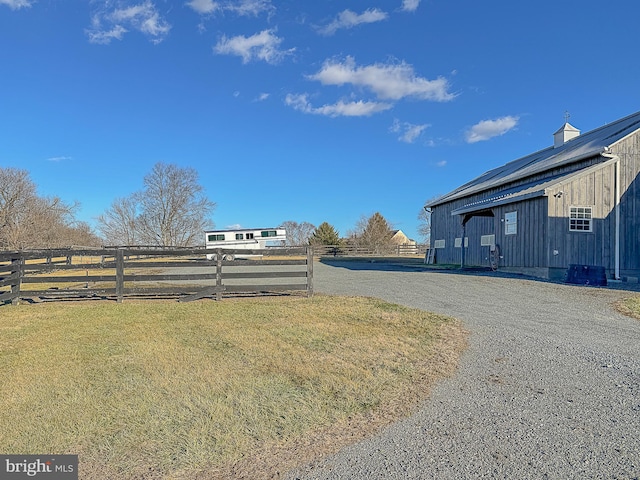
x=574 y=203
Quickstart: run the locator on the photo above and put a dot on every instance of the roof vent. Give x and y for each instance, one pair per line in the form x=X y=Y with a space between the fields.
x=566 y=133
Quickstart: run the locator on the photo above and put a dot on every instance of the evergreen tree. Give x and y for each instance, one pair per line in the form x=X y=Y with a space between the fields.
x=325 y=234
x=376 y=234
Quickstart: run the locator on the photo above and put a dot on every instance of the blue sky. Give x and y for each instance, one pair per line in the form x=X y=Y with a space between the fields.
x=302 y=110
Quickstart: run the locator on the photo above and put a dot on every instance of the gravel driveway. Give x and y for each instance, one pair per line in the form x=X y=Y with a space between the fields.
x=549 y=387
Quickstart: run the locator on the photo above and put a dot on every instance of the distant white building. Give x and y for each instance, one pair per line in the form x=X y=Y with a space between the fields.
x=244 y=239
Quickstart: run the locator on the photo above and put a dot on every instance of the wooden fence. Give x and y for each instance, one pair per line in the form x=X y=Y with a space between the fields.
x=134 y=272
x=359 y=251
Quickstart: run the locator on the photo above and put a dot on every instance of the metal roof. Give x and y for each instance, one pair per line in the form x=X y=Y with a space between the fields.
x=529 y=190
x=587 y=145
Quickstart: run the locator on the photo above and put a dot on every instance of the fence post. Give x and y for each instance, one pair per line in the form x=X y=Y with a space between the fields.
x=119 y=274
x=309 y=271
x=219 y=274
x=16 y=264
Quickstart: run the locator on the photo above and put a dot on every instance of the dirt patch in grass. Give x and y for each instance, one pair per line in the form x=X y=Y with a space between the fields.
x=233 y=389
x=629 y=306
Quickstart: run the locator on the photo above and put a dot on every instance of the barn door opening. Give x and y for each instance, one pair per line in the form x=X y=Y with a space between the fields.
x=465 y=219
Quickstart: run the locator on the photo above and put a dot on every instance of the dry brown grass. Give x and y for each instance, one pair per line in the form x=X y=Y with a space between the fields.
x=234 y=389
x=630 y=307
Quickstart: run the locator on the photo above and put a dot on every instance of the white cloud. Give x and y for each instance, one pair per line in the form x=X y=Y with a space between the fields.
x=250 y=7
x=441 y=163
x=104 y=37
x=360 y=108
x=410 y=5
x=242 y=7
x=235 y=226
x=413 y=132
x=58 y=159
x=113 y=24
x=204 y=7
x=349 y=19
x=261 y=46
x=298 y=102
x=262 y=97
x=487 y=129
x=16 y=4
x=409 y=132
x=388 y=82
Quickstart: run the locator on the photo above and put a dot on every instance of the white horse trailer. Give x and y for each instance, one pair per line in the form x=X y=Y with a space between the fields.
x=244 y=239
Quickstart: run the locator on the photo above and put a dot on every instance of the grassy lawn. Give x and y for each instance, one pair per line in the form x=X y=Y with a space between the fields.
x=630 y=306
x=211 y=389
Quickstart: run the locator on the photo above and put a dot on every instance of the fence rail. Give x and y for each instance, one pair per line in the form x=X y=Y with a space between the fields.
x=354 y=250
x=124 y=272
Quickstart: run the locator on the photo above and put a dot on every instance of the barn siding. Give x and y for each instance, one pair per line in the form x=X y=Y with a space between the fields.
x=524 y=249
x=543 y=239
x=588 y=248
x=628 y=150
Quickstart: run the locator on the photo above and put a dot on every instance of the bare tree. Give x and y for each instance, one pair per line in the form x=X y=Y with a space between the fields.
x=17 y=193
x=30 y=221
x=298 y=233
x=424 y=224
x=424 y=221
x=119 y=224
x=79 y=234
x=174 y=210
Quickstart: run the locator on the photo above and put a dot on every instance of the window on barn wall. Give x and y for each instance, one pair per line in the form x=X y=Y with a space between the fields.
x=458 y=242
x=511 y=223
x=487 y=240
x=580 y=219
x=438 y=244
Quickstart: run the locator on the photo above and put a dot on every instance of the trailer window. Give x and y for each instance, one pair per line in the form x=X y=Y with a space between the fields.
x=239 y=236
x=268 y=233
x=249 y=236
x=215 y=238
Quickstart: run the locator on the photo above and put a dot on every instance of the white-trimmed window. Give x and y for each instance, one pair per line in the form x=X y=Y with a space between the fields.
x=487 y=240
x=438 y=244
x=580 y=219
x=511 y=223
x=458 y=242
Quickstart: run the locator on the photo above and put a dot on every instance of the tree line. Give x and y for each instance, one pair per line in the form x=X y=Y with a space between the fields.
x=373 y=233
x=28 y=220
x=170 y=210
